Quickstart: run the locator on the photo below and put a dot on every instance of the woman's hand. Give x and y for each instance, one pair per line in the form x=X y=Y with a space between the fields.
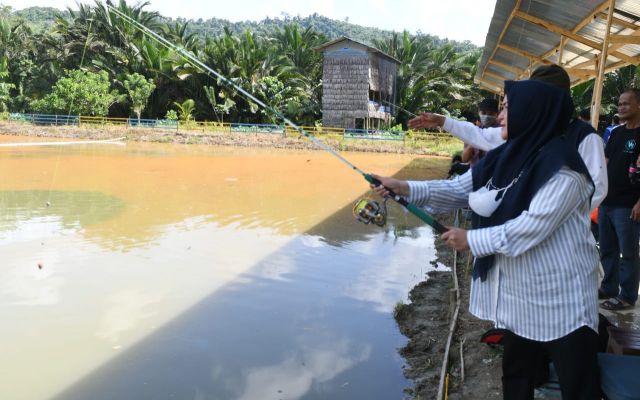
x=426 y=120
x=456 y=238
x=399 y=187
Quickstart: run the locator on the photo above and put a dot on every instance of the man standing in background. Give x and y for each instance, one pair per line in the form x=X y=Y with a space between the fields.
x=619 y=214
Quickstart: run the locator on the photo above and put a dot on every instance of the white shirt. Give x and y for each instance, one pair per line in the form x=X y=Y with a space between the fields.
x=591 y=150
x=543 y=284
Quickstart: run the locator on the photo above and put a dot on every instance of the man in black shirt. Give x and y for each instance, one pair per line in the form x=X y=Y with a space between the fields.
x=619 y=214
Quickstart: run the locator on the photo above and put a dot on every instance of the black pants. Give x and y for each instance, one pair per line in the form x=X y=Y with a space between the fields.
x=574 y=357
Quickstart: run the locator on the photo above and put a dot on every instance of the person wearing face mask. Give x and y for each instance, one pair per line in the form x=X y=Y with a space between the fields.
x=488 y=115
x=535 y=273
x=582 y=134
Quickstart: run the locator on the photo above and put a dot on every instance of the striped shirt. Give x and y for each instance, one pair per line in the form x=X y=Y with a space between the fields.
x=543 y=284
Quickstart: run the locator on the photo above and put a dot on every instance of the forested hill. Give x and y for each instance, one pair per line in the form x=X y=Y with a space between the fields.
x=90 y=61
x=40 y=18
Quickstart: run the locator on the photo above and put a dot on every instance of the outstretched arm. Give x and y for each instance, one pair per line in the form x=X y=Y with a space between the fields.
x=481 y=138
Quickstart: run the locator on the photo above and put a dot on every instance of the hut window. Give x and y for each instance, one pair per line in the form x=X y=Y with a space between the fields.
x=374 y=95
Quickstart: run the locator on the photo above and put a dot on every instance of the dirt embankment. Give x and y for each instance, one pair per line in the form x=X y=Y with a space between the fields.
x=209 y=138
x=426 y=320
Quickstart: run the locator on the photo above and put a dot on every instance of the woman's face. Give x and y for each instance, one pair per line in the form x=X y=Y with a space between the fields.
x=502 y=118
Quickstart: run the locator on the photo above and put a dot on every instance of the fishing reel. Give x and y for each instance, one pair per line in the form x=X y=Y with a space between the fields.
x=370 y=211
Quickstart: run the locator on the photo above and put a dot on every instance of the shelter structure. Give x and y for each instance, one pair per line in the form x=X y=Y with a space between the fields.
x=587 y=37
x=358 y=85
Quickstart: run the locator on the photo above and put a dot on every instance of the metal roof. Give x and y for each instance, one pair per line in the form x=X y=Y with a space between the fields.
x=370 y=48
x=527 y=33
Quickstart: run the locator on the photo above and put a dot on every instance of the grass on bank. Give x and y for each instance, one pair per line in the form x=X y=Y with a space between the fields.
x=431 y=143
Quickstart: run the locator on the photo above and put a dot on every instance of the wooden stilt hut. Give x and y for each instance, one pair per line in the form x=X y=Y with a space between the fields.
x=358 y=85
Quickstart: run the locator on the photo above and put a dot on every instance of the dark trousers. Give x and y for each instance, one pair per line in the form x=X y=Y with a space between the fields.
x=619 y=236
x=574 y=357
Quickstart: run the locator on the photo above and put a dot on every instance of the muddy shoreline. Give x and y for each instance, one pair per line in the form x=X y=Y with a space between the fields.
x=208 y=138
x=425 y=321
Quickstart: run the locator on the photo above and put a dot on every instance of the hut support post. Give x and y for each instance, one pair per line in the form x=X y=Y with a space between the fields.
x=602 y=64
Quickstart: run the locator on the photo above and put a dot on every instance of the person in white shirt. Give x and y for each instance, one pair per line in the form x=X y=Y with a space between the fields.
x=535 y=273
x=587 y=140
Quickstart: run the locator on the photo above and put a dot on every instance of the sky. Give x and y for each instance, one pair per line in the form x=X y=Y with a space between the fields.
x=453 y=19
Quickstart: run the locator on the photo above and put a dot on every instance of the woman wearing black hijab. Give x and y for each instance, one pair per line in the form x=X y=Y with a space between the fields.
x=535 y=273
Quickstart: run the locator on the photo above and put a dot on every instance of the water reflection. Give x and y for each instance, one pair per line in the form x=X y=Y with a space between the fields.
x=298 y=373
x=199 y=272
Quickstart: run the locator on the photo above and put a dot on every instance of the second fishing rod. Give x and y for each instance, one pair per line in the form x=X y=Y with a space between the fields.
x=188 y=56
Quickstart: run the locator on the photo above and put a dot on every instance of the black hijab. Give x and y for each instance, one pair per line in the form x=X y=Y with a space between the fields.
x=537 y=116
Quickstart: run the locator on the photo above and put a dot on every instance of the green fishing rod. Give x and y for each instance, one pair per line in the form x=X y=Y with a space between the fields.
x=188 y=56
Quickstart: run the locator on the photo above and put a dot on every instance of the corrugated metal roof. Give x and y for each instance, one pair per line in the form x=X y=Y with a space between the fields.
x=526 y=33
x=372 y=49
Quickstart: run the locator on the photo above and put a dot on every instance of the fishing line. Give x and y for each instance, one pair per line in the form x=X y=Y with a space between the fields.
x=409 y=113
x=73 y=98
x=188 y=56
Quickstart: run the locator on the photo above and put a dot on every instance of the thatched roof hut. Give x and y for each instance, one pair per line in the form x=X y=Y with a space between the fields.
x=358 y=85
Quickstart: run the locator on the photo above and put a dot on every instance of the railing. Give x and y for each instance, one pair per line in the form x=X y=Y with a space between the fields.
x=373 y=134
x=45 y=119
x=219 y=127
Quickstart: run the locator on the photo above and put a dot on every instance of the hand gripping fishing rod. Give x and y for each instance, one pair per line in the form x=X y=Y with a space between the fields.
x=189 y=57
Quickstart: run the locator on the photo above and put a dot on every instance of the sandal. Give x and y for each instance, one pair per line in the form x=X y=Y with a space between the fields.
x=602 y=295
x=616 y=305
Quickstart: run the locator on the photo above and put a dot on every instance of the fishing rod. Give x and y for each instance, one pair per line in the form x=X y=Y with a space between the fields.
x=190 y=57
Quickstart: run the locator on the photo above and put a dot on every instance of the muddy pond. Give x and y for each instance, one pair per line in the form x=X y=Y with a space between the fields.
x=154 y=271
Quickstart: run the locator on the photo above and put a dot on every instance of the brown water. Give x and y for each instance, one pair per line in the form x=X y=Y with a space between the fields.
x=196 y=272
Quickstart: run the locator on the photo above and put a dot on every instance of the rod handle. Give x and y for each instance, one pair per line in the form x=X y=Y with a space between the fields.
x=415 y=210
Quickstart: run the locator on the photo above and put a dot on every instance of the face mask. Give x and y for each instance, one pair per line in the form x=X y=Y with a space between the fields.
x=488 y=198
x=485 y=201
x=487 y=120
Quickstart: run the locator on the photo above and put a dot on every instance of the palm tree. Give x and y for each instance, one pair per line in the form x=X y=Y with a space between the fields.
x=430 y=76
x=185 y=109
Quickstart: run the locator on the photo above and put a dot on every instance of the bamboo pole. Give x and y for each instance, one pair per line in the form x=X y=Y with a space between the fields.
x=455 y=296
x=602 y=63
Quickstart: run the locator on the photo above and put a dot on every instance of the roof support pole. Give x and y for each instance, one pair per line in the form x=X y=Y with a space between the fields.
x=602 y=64
x=563 y=39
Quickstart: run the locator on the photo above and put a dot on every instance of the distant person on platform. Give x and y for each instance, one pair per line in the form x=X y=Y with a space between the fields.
x=607 y=132
x=583 y=135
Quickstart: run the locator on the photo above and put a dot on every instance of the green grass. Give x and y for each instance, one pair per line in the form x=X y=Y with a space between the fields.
x=401 y=310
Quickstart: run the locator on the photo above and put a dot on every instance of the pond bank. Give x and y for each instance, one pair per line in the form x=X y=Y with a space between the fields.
x=425 y=321
x=437 y=147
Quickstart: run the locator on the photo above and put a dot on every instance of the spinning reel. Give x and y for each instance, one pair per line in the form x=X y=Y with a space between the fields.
x=370 y=211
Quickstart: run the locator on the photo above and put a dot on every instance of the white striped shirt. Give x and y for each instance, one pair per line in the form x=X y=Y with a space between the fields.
x=543 y=284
